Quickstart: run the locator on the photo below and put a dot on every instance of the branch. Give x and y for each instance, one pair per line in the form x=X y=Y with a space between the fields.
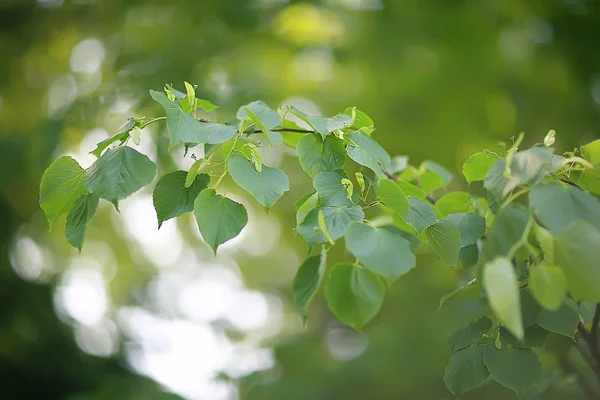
x=569 y=182
x=595 y=322
x=286 y=130
x=594 y=360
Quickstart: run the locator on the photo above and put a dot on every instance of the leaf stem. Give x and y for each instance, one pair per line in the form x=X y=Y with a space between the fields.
x=153 y=120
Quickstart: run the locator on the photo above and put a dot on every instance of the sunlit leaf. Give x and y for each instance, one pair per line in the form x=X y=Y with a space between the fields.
x=411 y=190
x=455 y=202
x=62 y=184
x=361 y=120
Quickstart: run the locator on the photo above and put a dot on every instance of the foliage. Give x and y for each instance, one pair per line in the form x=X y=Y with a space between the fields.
x=531 y=263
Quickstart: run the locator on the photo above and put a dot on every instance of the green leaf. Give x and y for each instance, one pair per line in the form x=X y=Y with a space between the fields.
x=431 y=181
x=331 y=190
x=308 y=280
x=502 y=288
x=82 y=212
x=361 y=120
x=471 y=227
x=440 y=171
x=517 y=369
x=591 y=152
x=550 y=138
x=336 y=218
x=384 y=251
x=300 y=202
x=171 y=198
x=530 y=309
x=477 y=166
x=577 y=253
x=322 y=125
x=527 y=167
x=266 y=186
x=206 y=105
x=182 y=127
x=411 y=190
x=264 y=118
x=392 y=196
x=470 y=334
x=546 y=242
x=444 y=239
x=420 y=214
x=468 y=255
x=548 y=284
x=62 y=184
x=556 y=205
x=320 y=155
x=535 y=336
x=466 y=370
x=121 y=136
x=360 y=178
x=455 y=202
x=323 y=227
x=118 y=173
x=367 y=152
x=136 y=136
x=563 y=321
x=190 y=178
x=218 y=133
x=589 y=180
x=508 y=228
x=219 y=218
x=354 y=294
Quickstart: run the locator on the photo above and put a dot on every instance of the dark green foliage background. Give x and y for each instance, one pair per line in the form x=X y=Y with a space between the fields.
x=440 y=79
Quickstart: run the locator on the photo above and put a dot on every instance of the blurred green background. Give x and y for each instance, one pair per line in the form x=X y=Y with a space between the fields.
x=148 y=314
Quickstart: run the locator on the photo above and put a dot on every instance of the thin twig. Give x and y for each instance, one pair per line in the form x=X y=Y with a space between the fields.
x=286 y=130
x=569 y=182
x=594 y=360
